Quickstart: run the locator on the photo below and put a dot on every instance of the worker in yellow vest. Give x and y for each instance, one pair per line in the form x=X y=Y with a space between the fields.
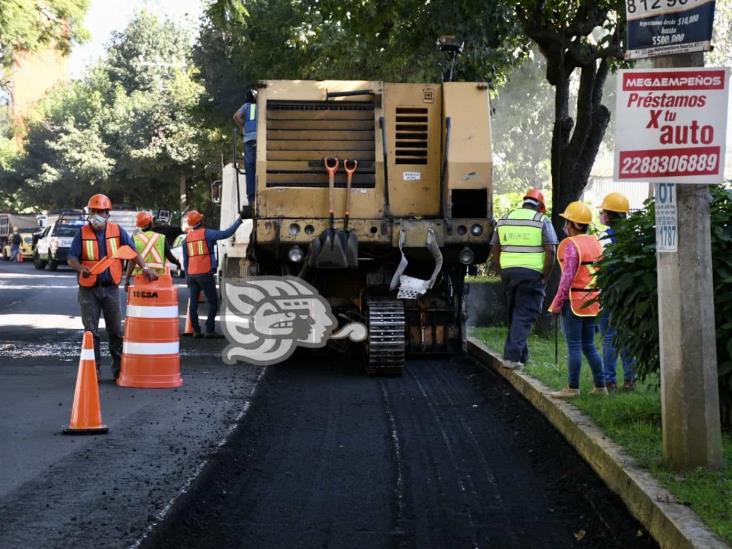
x=576 y=299
x=152 y=246
x=523 y=247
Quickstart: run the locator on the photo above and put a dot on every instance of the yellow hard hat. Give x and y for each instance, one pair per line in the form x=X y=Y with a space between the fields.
x=577 y=212
x=615 y=202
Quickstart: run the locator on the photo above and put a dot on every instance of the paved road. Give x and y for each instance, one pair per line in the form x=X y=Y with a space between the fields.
x=103 y=491
x=447 y=456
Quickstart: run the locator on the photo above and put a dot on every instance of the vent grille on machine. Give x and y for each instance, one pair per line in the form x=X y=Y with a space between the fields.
x=411 y=135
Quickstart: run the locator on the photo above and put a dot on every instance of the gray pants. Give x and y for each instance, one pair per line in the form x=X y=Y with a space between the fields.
x=524 y=293
x=94 y=302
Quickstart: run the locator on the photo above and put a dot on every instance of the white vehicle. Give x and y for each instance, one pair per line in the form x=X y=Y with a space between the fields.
x=232 y=252
x=53 y=245
x=177 y=250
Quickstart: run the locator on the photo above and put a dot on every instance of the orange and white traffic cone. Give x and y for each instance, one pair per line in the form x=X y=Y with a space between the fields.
x=188 y=330
x=86 y=412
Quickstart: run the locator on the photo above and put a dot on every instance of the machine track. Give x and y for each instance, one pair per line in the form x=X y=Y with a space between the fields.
x=385 y=353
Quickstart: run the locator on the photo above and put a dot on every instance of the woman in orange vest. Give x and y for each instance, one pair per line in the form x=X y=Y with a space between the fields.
x=576 y=298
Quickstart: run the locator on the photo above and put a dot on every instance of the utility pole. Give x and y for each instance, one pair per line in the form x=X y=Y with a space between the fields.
x=689 y=393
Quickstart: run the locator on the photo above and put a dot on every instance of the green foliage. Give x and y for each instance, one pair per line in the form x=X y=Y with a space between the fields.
x=629 y=290
x=33 y=24
x=126 y=129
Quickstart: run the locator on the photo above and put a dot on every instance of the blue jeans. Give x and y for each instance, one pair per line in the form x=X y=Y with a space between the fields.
x=524 y=293
x=250 y=165
x=610 y=353
x=206 y=284
x=579 y=333
x=14 y=249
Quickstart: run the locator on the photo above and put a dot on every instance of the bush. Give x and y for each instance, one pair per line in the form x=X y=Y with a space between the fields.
x=629 y=290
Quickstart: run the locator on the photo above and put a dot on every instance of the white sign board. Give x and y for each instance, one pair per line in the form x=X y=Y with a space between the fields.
x=667 y=27
x=671 y=125
x=666 y=218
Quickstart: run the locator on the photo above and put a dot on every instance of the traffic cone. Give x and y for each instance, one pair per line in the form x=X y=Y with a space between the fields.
x=188 y=330
x=86 y=413
x=20 y=257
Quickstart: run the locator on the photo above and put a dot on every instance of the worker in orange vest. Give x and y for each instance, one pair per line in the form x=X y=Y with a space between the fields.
x=200 y=263
x=576 y=298
x=98 y=293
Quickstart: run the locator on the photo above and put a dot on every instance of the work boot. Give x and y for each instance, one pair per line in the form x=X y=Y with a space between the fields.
x=511 y=365
x=611 y=387
x=197 y=335
x=213 y=335
x=115 y=372
x=565 y=392
x=599 y=391
x=629 y=385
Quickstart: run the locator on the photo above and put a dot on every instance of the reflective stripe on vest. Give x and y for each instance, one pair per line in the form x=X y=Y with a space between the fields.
x=250 y=121
x=582 y=292
x=90 y=252
x=199 y=256
x=151 y=246
x=520 y=233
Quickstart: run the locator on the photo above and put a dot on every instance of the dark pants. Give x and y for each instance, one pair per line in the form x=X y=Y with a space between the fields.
x=97 y=301
x=207 y=285
x=524 y=293
x=250 y=165
x=14 y=250
x=579 y=333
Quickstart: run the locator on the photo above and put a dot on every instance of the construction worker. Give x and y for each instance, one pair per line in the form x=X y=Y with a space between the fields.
x=15 y=241
x=576 y=298
x=246 y=119
x=200 y=263
x=152 y=246
x=98 y=293
x=614 y=208
x=523 y=247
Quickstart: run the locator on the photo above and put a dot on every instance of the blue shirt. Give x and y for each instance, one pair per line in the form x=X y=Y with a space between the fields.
x=75 y=250
x=248 y=113
x=212 y=236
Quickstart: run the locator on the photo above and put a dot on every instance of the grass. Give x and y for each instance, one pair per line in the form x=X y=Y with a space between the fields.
x=633 y=420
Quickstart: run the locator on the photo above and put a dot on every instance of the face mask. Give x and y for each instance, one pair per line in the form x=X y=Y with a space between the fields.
x=97 y=220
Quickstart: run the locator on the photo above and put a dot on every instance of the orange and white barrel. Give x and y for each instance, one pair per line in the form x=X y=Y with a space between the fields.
x=151 y=348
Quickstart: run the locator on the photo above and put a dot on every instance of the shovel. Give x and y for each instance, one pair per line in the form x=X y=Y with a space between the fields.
x=124 y=252
x=349 y=239
x=331 y=252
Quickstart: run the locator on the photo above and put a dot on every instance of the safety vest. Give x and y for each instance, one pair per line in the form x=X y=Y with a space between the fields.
x=250 y=122
x=199 y=256
x=522 y=242
x=90 y=252
x=151 y=246
x=583 y=289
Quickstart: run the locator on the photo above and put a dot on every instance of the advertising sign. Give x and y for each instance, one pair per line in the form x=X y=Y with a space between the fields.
x=666 y=218
x=671 y=125
x=666 y=27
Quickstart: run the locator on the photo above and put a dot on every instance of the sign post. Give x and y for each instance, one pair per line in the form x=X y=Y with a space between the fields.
x=671 y=129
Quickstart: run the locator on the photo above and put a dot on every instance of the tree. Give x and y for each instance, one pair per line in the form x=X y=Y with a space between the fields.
x=583 y=36
x=28 y=25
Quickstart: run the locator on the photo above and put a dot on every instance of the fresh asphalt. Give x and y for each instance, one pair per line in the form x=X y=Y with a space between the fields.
x=445 y=456
x=107 y=490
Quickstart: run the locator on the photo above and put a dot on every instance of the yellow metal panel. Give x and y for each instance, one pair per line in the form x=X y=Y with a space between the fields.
x=414 y=189
x=469 y=159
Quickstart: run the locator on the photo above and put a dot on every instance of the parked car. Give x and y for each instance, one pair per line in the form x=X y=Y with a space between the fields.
x=26 y=246
x=52 y=247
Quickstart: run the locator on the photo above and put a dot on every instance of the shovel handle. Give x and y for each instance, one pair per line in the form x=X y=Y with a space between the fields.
x=331 y=168
x=349 y=179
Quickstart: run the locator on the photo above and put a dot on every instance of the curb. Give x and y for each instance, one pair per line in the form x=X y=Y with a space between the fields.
x=672 y=524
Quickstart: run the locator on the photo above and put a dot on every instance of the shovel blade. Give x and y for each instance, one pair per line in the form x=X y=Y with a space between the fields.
x=125 y=252
x=332 y=254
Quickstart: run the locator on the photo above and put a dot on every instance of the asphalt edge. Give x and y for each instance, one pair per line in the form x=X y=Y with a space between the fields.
x=672 y=524
x=178 y=501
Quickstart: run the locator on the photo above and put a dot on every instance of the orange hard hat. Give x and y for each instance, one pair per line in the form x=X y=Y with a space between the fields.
x=143 y=219
x=194 y=218
x=536 y=194
x=99 y=202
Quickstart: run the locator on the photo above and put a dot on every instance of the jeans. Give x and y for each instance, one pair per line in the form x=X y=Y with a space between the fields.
x=206 y=284
x=250 y=165
x=94 y=302
x=579 y=333
x=524 y=293
x=14 y=250
x=610 y=353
